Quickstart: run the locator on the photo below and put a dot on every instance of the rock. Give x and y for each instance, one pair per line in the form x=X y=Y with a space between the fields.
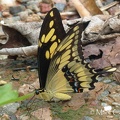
x=3 y=57
x=16 y=9
x=33 y=17
x=12 y=19
x=5 y=14
x=8 y=2
x=116 y=104
x=60 y=6
x=45 y=7
x=29 y=11
x=116 y=111
x=87 y=118
x=23 y=15
x=33 y=7
x=107 y=81
x=33 y=3
x=9 y=108
x=115 y=97
x=109 y=117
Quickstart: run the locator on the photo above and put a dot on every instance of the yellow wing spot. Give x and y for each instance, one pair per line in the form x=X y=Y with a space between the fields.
x=65 y=59
x=53 y=47
x=43 y=38
x=59 y=40
x=65 y=45
x=71 y=64
x=63 y=64
x=77 y=58
x=74 y=54
x=85 y=85
x=51 y=14
x=51 y=55
x=79 y=69
x=84 y=73
x=49 y=35
x=58 y=61
x=68 y=47
x=66 y=53
x=76 y=42
x=75 y=67
x=76 y=28
x=76 y=37
x=47 y=54
x=86 y=78
x=39 y=44
x=74 y=48
x=71 y=36
x=90 y=67
x=51 y=23
x=53 y=38
x=77 y=32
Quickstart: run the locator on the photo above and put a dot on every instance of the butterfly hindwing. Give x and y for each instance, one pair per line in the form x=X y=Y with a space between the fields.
x=68 y=68
x=52 y=32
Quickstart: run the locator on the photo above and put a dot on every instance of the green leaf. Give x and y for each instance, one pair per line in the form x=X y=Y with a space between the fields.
x=8 y=95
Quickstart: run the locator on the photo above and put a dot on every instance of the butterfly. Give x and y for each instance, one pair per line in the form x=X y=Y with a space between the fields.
x=61 y=65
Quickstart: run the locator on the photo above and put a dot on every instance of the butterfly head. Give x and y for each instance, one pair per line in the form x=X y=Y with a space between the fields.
x=38 y=91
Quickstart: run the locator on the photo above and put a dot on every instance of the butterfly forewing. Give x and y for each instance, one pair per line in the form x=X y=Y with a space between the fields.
x=52 y=32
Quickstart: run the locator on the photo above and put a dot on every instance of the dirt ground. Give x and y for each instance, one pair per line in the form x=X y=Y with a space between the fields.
x=82 y=104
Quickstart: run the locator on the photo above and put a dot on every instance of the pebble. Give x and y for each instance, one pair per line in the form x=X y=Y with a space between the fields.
x=33 y=17
x=44 y=7
x=5 y=14
x=12 y=19
x=23 y=15
x=116 y=111
x=115 y=97
x=29 y=11
x=60 y=6
x=104 y=104
x=87 y=118
x=33 y=7
x=110 y=117
x=107 y=81
x=14 y=10
x=116 y=104
x=9 y=108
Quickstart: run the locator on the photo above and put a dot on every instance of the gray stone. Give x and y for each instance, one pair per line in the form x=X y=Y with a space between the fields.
x=23 y=15
x=60 y=6
x=9 y=109
x=0 y=14
x=14 y=10
x=87 y=118
x=29 y=11
x=12 y=19
x=33 y=7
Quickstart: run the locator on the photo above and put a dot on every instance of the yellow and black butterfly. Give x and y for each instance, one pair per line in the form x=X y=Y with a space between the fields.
x=61 y=65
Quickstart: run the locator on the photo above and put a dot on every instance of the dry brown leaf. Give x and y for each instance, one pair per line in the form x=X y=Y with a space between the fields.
x=111 y=53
